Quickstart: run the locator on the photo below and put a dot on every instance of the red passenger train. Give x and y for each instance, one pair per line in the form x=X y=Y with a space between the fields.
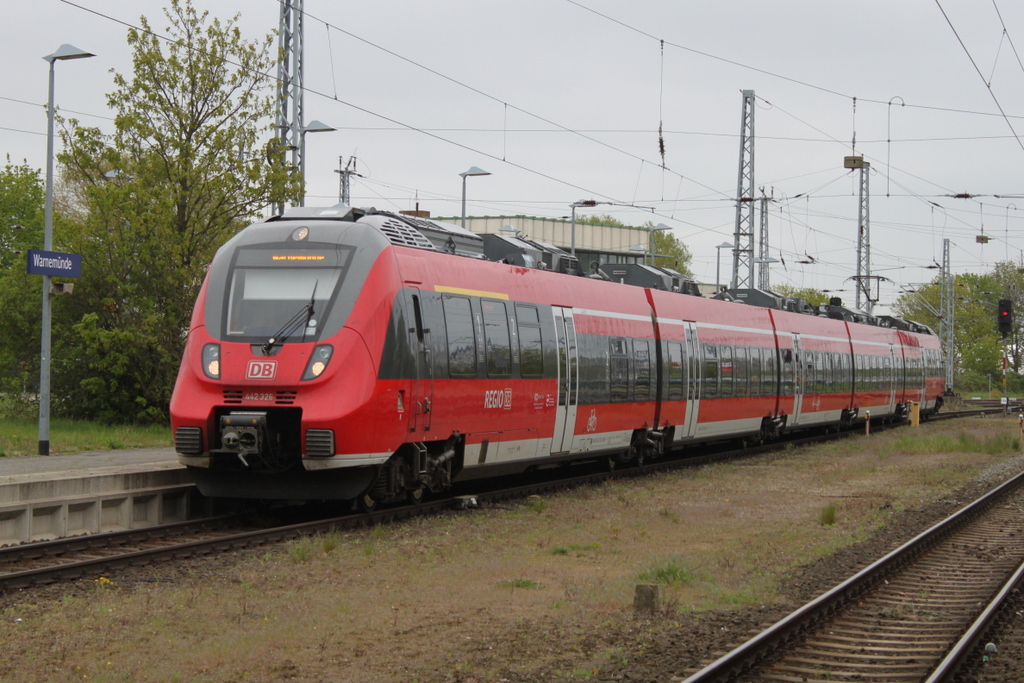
x=348 y=354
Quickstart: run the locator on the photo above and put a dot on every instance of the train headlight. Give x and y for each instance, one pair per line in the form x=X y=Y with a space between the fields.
x=318 y=361
x=211 y=361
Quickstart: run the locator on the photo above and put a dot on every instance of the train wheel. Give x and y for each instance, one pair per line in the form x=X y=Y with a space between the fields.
x=367 y=503
x=611 y=464
x=417 y=496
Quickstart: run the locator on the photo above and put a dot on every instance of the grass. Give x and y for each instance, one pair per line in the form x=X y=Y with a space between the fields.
x=964 y=442
x=670 y=572
x=717 y=538
x=20 y=437
x=828 y=515
x=520 y=583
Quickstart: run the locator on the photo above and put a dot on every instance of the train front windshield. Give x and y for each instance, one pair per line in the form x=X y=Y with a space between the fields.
x=270 y=290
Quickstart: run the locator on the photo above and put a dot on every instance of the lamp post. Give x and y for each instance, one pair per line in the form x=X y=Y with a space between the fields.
x=650 y=236
x=473 y=170
x=65 y=51
x=313 y=126
x=572 y=234
x=718 y=264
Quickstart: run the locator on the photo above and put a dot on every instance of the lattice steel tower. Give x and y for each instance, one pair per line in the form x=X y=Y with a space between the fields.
x=762 y=248
x=863 y=278
x=946 y=320
x=289 y=85
x=743 y=238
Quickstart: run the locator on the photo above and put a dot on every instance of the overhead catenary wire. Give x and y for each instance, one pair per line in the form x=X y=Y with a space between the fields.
x=442 y=138
x=988 y=86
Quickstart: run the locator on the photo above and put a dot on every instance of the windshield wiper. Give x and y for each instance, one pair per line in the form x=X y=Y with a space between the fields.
x=293 y=323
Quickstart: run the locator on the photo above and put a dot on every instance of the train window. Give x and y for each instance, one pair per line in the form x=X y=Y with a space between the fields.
x=458 y=323
x=532 y=350
x=768 y=378
x=809 y=386
x=741 y=371
x=676 y=370
x=727 y=374
x=755 y=372
x=268 y=286
x=642 y=360
x=497 y=348
x=618 y=367
x=527 y=315
x=788 y=370
x=710 y=381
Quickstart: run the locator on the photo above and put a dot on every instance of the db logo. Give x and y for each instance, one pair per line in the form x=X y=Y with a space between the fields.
x=261 y=369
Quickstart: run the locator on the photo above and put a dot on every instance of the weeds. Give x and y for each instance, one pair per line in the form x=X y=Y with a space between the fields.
x=520 y=583
x=828 y=515
x=670 y=572
x=566 y=549
x=305 y=549
x=536 y=504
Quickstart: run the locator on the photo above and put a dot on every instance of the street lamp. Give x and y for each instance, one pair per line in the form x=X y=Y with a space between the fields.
x=718 y=264
x=313 y=126
x=572 y=234
x=650 y=244
x=473 y=170
x=65 y=51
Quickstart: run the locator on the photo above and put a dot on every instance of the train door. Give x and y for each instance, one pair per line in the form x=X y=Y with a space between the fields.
x=568 y=380
x=691 y=391
x=890 y=373
x=423 y=381
x=798 y=380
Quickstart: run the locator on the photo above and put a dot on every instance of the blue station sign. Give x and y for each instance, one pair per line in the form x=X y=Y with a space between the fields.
x=54 y=263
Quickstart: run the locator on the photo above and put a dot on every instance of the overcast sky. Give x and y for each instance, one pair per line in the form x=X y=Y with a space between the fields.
x=561 y=100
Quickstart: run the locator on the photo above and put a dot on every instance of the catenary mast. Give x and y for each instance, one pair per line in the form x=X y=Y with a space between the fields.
x=289 y=85
x=743 y=238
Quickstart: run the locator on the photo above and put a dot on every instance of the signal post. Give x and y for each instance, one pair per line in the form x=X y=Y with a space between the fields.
x=1004 y=320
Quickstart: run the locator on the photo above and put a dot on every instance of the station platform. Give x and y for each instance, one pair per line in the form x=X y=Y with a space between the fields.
x=48 y=497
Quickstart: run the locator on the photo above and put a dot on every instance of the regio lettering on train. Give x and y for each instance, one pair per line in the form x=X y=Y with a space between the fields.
x=498 y=399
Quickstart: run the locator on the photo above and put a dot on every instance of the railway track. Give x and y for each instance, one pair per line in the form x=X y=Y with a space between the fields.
x=913 y=615
x=32 y=564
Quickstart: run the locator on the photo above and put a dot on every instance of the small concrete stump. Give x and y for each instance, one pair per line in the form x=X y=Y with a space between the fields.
x=645 y=599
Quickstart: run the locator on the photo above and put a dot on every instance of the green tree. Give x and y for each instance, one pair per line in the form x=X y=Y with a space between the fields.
x=669 y=250
x=185 y=168
x=977 y=346
x=813 y=296
x=21 y=228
